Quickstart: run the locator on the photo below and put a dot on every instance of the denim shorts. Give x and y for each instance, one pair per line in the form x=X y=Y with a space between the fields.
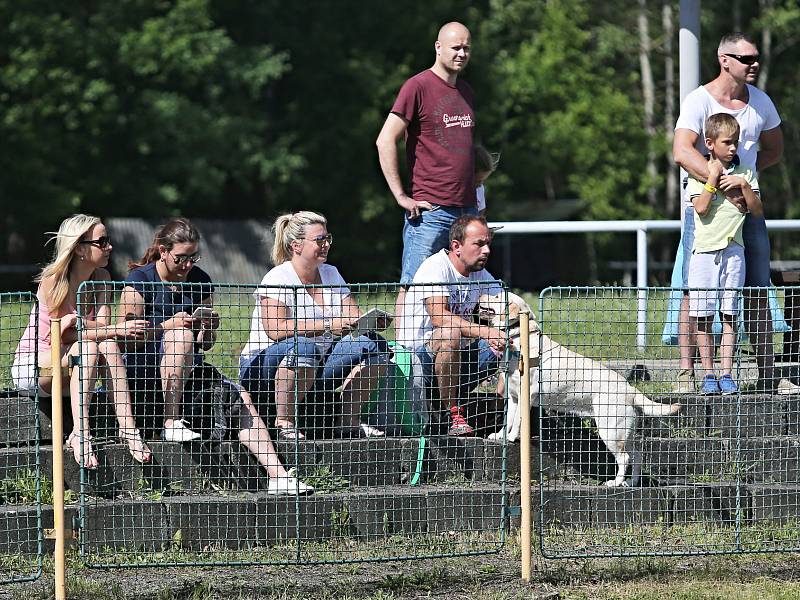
x=426 y=235
x=756 y=248
x=480 y=362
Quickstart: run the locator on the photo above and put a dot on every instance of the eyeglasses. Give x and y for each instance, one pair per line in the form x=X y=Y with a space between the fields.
x=745 y=59
x=185 y=258
x=321 y=240
x=102 y=242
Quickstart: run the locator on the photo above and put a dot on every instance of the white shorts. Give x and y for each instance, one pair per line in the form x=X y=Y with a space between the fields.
x=720 y=275
x=23 y=372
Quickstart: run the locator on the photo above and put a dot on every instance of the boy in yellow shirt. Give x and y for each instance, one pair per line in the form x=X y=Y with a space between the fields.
x=717 y=263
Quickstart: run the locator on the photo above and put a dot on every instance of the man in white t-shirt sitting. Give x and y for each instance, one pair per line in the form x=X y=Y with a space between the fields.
x=456 y=353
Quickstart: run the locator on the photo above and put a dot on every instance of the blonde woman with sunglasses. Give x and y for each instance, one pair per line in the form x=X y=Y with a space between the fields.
x=82 y=250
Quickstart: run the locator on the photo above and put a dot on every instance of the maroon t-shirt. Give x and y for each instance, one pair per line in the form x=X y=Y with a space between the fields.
x=439 y=139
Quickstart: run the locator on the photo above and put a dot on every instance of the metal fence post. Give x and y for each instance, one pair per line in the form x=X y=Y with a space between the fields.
x=58 y=461
x=641 y=283
x=525 y=445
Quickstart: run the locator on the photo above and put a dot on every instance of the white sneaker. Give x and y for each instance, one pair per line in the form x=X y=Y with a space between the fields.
x=178 y=432
x=370 y=431
x=288 y=486
x=787 y=388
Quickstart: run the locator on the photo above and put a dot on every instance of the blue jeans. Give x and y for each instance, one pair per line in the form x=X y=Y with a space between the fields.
x=426 y=235
x=479 y=363
x=258 y=373
x=756 y=248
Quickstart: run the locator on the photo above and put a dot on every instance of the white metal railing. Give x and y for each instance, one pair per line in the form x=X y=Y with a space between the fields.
x=641 y=228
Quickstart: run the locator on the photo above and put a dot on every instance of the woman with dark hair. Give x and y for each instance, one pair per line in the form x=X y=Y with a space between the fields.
x=169 y=290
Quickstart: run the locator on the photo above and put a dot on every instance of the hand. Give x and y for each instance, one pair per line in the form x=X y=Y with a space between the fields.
x=341 y=326
x=496 y=338
x=383 y=323
x=715 y=169
x=133 y=329
x=68 y=322
x=211 y=322
x=729 y=182
x=413 y=207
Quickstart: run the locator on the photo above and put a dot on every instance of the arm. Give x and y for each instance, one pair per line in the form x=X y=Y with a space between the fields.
x=393 y=129
x=770 y=148
x=441 y=316
x=278 y=325
x=131 y=302
x=100 y=328
x=702 y=202
x=751 y=197
x=685 y=154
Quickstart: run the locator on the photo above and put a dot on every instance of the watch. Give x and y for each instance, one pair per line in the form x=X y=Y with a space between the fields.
x=327 y=323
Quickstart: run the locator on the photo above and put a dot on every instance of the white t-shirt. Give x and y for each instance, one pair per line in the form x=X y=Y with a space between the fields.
x=415 y=327
x=301 y=305
x=480 y=197
x=759 y=115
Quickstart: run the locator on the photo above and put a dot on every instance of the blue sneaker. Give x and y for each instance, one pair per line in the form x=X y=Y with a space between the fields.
x=727 y=385
x=710 y=385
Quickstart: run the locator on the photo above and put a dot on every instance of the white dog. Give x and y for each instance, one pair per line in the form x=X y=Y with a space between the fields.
x=574 y=384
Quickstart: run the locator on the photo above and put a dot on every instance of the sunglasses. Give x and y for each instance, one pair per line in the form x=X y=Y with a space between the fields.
x=185 y=258
x=102 y=242
x=745 y=59
x=322 y=240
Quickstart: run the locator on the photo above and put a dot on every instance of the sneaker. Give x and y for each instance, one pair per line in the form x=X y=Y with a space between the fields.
x=710 y=385
x=178 y=432
x=685 y=382
x=288 y=486
x=458 y=424
x=727 y=385
x=787 y=388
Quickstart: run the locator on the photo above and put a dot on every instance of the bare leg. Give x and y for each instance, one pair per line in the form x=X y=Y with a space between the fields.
x=80 y=402
x=120 y=392
x=705 y=343
x=687 y=336
x=178 y=352
x=256 y=439
x=758 y=321
x=288 y=383
x=356 y=391
x=728 y=344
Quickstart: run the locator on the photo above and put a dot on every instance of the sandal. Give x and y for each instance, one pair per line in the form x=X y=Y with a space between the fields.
x=73 y=442
x=290 y=433
x=136 y=447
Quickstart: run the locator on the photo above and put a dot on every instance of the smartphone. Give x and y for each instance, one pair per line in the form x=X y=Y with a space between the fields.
x=203 y=313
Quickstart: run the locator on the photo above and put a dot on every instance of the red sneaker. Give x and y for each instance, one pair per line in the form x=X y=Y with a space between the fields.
x=458 y=424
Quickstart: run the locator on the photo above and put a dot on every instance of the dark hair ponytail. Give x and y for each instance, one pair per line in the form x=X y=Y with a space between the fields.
x=175 y=231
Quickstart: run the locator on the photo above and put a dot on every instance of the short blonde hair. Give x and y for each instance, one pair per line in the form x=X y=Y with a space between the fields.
x=721 y=124
x=290 y=227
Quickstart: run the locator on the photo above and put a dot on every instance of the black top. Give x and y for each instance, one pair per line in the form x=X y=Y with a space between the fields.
x=161 y=301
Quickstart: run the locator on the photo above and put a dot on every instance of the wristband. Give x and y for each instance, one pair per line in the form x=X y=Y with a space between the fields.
x=709 y=188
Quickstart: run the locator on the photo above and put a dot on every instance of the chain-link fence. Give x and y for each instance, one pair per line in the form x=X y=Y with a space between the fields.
x=252 y=424
x=22 y=488
x=711 y=445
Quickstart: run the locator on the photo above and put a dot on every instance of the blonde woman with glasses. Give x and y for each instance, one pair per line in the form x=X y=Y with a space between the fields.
x=299 y=338
x=82 y=250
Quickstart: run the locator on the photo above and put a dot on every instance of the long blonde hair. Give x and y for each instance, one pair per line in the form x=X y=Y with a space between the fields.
x=291 y=227
x=66 y=239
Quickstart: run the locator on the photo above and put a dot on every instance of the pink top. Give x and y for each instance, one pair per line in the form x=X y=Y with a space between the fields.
x=29 y=343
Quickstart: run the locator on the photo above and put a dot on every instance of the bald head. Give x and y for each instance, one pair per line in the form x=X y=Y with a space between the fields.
x=453 y=47
x=453 y=28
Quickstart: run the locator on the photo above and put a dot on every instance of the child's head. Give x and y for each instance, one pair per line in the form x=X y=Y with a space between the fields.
x=722 y=136
x=485 y=163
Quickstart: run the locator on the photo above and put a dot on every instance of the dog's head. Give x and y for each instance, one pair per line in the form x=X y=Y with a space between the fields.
x=494 y=311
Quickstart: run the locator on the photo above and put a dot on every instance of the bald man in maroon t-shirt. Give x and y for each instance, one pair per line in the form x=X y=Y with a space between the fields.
x=435 y=113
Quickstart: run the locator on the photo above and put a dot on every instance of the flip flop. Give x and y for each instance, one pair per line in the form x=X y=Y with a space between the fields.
x=141 y=453
x=290 y=433
x=73 y=442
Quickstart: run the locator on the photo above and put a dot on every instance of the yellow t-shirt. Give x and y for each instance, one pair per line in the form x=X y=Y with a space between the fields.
x=723 y=222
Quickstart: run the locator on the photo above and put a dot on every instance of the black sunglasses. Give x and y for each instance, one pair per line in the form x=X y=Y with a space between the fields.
x=102 y=242
x=185 y=258
x=745 y=59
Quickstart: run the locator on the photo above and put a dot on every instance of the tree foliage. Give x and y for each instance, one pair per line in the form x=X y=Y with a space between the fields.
x=248 y=108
